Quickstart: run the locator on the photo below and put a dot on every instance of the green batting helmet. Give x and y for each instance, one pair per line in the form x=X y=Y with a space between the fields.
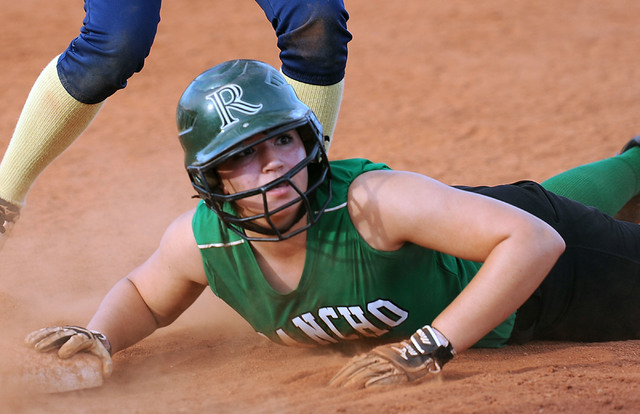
x=223 y=107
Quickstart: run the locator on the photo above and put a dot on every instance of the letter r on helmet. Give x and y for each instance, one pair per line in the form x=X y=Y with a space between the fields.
x=228 y=98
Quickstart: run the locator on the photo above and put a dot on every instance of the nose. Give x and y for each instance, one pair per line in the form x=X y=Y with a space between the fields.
x=270 y=158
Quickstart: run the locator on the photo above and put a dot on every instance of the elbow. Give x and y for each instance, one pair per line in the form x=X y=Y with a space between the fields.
x=550 y=243
x=560 y=245
x=152 y=318
x=556 y=242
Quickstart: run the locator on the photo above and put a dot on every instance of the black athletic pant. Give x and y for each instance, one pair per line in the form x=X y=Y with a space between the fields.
x=593 y=291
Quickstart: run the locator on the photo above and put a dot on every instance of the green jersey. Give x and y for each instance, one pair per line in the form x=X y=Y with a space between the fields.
x=348 y=290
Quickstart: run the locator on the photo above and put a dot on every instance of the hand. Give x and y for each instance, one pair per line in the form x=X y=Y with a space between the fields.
x=70 y=340
x=425 y=352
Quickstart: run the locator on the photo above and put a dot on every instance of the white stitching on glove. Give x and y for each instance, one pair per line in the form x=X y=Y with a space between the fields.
x=69 y=340
x=425 y=352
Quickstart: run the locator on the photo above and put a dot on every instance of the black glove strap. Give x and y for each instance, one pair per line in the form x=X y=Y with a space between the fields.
x=430 y=342
x=443 y=354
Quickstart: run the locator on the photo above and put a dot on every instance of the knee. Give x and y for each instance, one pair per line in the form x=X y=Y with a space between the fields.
x=95 y=66
x=313 y=41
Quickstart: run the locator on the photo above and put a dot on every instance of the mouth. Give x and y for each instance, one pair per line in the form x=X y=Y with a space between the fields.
x=280 y=189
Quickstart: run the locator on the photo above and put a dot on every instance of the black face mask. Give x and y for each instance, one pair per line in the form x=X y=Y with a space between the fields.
x=206 y=183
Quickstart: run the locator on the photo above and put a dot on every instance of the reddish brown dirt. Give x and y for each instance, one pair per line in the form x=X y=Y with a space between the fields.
x=467 y=92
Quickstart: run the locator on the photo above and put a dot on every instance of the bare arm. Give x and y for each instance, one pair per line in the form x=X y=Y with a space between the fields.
x=155 y=293
x=518 y=250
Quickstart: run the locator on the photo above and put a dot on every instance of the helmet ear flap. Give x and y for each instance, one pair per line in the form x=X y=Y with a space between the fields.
x=311 y=134
x=213 y=181
x=206 y=182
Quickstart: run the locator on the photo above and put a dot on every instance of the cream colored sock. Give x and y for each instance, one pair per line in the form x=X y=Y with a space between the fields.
x=324 y=101
x=50 y=121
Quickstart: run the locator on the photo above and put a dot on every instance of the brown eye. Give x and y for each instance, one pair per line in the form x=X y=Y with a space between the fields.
x=244 y=153
x=238 y=159
x=284 y=139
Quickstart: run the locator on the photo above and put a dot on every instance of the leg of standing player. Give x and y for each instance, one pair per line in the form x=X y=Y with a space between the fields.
x=313 y=37
x=114 y=41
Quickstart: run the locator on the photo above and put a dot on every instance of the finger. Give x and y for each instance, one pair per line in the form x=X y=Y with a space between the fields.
x=54 y=340
x=107 y=364
x=76 y=343
x=369 y=375
x=36 y=336
x=348 y=370
x=79 y=343
x=361 y=370
x=390 y=378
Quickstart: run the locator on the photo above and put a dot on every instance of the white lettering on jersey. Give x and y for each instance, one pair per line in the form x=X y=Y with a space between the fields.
x=286 y=339
x=324 y=330
x=375 y=308
x=325 y=314
x=354 y=315
x=228 y=98
x=310 y=327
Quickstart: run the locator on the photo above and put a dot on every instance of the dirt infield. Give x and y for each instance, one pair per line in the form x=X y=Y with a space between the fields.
x=467 y=92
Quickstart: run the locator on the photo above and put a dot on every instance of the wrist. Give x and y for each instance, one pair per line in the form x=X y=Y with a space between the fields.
x=103 y=340
x=429 y=341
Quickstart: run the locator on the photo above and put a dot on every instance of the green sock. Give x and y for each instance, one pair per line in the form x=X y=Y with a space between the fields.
x=607 y=184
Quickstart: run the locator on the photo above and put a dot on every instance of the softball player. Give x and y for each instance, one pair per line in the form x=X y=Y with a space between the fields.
x=317 y=253
x=114 y=41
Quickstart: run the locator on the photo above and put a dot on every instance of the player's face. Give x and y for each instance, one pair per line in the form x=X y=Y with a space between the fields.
x=261 y=164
